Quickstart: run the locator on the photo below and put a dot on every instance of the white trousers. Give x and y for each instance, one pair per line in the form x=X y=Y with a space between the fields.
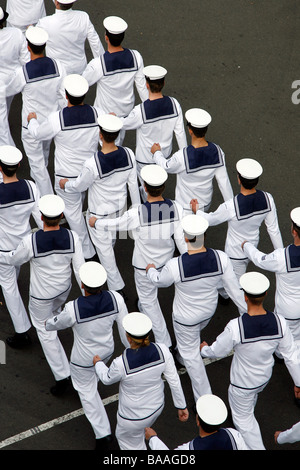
x=74 y=216
x=40 y=310
x=131 y=434
x=242 y=403
x=104 y=242
x=149 y=304
x=38 y=154
x=188 y=343
x=12 y=297
x=85 y=381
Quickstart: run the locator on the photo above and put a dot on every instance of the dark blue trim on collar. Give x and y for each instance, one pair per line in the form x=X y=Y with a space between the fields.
x=292 y=258
x=259 y=327
x=199 y=265
x=118 y=62
x=251 y=205
x=18 y=192
x=39 y=69
x=53 y=242
x=157 y=110
x=96 y=306
x=113 y=162
x=78 y=117
x=152 y=213
x=136 y=360
x=202 y=158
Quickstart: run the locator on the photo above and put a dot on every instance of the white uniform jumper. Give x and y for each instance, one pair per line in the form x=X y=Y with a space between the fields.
x=154 y=227
x=76 y=136
x=254 y=339
x=195 y=170
x=18 y=201
x=196 y=278
x=91 y=319
x=223 y=439
x=156 y=121
x=40 y=82
x=107 y=178
x=115 y=75
x=285 y=263
x=68 y=32
x=13 y=53
x=244 y=215
x=141 y=392
x=51 y=254
x=25 y=13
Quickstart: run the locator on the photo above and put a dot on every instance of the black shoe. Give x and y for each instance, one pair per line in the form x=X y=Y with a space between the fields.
x=19 y=340
x=60 y=387
x=223 y=300
x=93 y=258
x=104 y=444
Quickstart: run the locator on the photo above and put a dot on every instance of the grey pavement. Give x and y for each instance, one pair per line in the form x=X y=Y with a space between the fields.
x=238 y=60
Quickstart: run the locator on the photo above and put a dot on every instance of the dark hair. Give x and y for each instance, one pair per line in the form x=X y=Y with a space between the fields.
x=51 y=221
x=296 y=228
x=248 y=183
x=115 y=39
x=92 y=290
x=75 y=100
x=65 y=6
x=156 y=85
x=109 y=137
x=198 y=131
x=155 y=191
x=9 y=170
x=36 y=49
x=209 y=428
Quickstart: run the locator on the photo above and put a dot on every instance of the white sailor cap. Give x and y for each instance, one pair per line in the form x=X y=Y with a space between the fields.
x=198 y=117
x=137 y=324
x=249 y=168
x=295 y=216
x=110 y=122
x=115 y=24
x=36 y=35
x=92 y=274
x=66 y=2
x=51 y=205
x=254 y=283
x=154 y=72
x=10 y=155
x=211 y=409
x=154 y=175
x=3 y=15
x=194 y=225
x=76 y=85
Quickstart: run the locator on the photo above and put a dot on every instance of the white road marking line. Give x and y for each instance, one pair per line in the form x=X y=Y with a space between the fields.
x=74 y=414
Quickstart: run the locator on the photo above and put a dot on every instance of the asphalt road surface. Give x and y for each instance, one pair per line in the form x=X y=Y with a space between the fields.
x=238 y=59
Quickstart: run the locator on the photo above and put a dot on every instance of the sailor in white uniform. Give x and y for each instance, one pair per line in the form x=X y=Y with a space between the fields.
x=25 y=13
x=211 y=414
x=5 y=134
x=117 y=73
x=196 y=275
x=196 y=165
x=254 y=337
x=141 y=392
x=91 y=318
x=13 y=50
x=18 y=202
x=52 y=252
x=158 y=119
x=285 y=263
x=40 y=82
x=69 y=30
x=107 y=176
x=155 y=228
x=75 y=131
x=245 y=213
